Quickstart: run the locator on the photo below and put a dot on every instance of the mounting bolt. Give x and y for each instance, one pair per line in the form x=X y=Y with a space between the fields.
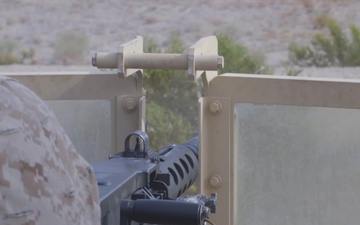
x=220 y=62
x=129 y=105
x=215 y=107
x=215 y=181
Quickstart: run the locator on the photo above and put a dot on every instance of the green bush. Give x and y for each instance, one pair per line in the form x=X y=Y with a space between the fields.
x=165 y=126
x=238 y=59
x=334 y=49
x=11 y=53
x=171 y=101
x=70 y=47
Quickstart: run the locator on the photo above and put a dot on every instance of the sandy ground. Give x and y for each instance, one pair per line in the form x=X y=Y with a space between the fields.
x=266 y=26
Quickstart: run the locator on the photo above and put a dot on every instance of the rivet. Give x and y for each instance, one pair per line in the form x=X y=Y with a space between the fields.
x=215 y=107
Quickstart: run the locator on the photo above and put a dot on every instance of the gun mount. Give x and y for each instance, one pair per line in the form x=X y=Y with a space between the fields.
x=202 y=57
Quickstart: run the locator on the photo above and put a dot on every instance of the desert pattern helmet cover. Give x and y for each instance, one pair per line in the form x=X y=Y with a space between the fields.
x=43 y=180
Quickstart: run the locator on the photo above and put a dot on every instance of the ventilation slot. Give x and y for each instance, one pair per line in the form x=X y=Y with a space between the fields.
x=185 y=165
x=190 y=183
x=180 y=171
x=190 y=160
x=173 y=175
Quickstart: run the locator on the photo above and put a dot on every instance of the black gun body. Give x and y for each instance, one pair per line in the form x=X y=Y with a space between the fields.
x=118 y=178
x=167 y=174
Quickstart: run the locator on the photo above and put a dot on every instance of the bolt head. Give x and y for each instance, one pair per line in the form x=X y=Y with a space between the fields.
x=215 y=107
x=129 y=105
x=215 y=181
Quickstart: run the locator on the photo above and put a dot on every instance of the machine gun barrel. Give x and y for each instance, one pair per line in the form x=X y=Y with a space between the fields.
x=178 y=168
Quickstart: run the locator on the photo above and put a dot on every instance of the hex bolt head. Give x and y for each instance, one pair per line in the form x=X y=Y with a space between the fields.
x=215 y=181
x=215 y=107
x=129 y=104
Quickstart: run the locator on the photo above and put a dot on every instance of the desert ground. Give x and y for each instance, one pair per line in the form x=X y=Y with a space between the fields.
x=263 y=26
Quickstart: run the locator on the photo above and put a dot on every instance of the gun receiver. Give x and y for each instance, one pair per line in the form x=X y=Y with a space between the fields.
x=143 y=186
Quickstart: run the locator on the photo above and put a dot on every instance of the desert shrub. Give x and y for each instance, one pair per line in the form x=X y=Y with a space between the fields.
x=238 y=59
x=166 y=126
x=70 y=47
x=171 y=100
x=334 y=49
x=11 y=53
x=292 y=71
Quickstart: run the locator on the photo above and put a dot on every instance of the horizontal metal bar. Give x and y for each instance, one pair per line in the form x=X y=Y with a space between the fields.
x=157 y=61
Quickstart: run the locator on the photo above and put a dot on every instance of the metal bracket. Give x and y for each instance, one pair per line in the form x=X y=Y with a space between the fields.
x=202 y=58
x=215 y=128
x=132 y=47
x=205 y=47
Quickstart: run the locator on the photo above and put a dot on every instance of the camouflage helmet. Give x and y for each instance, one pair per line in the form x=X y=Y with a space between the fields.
x=43 y=180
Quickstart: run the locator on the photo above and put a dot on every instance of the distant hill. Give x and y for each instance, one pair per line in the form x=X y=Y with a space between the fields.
x=262 y=25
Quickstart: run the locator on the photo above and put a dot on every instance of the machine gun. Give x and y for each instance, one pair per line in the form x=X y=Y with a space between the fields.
x=138 y=184
x=145 y=186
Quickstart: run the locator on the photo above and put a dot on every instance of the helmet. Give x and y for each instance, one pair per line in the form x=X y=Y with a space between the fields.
x=43 y=180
